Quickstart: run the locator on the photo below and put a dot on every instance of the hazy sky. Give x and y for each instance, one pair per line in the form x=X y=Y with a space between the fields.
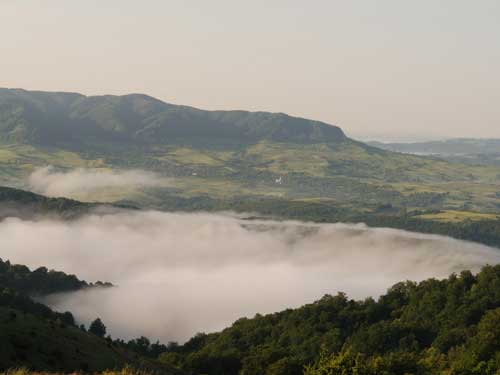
x=385 y=69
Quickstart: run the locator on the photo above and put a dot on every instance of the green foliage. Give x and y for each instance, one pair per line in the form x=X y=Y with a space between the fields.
x=126 y=370
x=344 y=363
x=144 y=347
x=446 y=326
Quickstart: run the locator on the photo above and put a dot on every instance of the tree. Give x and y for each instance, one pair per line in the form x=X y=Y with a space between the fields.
x=97 y=328
x=68 y=318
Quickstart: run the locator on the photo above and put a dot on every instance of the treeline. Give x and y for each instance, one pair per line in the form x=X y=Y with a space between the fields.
x=24 y=204
x=19 y=203
x=486 y=232
x=40 y=281
x=27 y=205
x=449 y=326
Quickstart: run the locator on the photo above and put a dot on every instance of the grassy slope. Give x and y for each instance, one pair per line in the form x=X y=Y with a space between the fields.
x=345 y=173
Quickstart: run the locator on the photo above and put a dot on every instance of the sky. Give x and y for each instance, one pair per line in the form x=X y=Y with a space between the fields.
x=387 y=70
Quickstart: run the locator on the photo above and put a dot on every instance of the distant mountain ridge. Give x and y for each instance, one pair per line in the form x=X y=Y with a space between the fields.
x=458 y=146
x=59 y=118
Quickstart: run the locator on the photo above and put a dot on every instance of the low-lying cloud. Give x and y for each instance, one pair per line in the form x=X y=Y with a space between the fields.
x=74 y=183
x=178 y=274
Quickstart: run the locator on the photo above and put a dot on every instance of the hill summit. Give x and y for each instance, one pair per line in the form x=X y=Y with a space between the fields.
x=57 y=118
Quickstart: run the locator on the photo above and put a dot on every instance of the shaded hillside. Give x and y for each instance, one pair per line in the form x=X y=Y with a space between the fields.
x=433 y=327
x=35 y=337
x=27 y=205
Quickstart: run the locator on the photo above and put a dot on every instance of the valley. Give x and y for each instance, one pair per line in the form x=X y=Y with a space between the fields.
x=285 y=290
x=161 y=209
x=249 y=188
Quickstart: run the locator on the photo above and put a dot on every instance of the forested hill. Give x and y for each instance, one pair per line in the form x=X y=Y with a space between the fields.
x=435 y=327
x=69 y=119
x=35 y=337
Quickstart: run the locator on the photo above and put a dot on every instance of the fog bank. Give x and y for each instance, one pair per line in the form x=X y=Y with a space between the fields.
x=72 y=184
x=178 y=274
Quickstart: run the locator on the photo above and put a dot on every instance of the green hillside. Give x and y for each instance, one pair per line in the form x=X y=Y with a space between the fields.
x=225 y=154
x=36 y=338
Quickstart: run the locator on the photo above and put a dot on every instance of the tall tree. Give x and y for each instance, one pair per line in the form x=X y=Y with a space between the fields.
x=98 y=328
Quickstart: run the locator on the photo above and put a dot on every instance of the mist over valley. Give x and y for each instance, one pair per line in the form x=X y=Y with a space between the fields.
x=177 y=274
